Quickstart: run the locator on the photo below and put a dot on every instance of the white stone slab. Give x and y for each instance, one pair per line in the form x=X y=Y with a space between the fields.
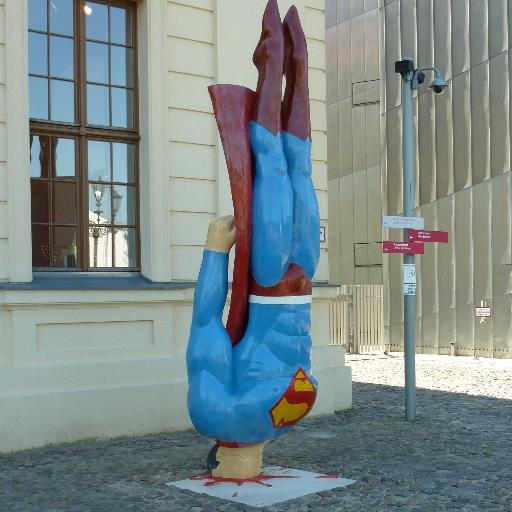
x=289 y=484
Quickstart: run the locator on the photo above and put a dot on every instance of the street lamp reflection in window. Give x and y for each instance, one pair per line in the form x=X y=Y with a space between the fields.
x=101 y=226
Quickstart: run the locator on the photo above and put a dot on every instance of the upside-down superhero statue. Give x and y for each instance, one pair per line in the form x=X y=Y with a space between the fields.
x=251 y=381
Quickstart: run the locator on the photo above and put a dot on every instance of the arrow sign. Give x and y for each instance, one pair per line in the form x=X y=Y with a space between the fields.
x=428 y=236
x=397 y=222
x=403 y=248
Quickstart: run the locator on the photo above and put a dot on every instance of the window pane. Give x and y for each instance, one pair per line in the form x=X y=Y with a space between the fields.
x=41 y=246
x=97 y=63
x=38 y=15
x=64 y=202
x=121 y=25
x=97 y=22
x=39 y=157
x=38 y=98
x=61 y=17
x=122 y=108
x=100 y=246
x=65 y=247
x=64 y=158
x=37 y=54
x=99 y=203
x=62 y=101
x=97 y=105
x=122 y=162
x=40 y=198
x=122 y=69
x=123 y=204
x=98 y=161
x=125 y=248
x=61 y=57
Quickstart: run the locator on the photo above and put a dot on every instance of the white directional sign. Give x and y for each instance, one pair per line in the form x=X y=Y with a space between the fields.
x=403 y=222
x=409 y=273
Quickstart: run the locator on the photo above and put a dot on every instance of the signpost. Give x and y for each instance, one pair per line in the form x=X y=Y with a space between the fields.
x=428 y=236
x=410 y=80
x=402 y=248
x=416 y=236
x=398 y=222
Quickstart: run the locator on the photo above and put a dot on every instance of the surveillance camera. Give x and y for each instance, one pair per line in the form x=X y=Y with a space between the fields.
x=438 y=85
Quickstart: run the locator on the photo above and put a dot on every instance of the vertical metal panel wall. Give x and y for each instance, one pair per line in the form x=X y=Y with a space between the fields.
x=463 y=169
x=353 y=127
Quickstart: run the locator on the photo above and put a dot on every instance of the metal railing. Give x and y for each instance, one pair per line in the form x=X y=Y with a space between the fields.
x=357 y=319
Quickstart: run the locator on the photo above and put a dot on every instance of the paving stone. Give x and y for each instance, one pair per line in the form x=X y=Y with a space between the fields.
x=456 y=456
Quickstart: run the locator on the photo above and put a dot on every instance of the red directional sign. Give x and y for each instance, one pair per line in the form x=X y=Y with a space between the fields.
x=403 y=248
x=428 y=236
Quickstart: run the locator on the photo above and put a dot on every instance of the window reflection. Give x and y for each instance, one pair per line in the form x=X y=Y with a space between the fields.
x=97 y=105
x=64 y=202
x=40 y=199
x=123 y=200
x=37 y=15
x=62 y=101
x=120 y=26
x=64 y=158
x=38 y=97
x=37 y=54
x=109 y=61
x=122 y=72
x=122 y=162
x=65 y=247
x=39 y=154
x=51 y=56
x=61 y=57
x=122 y=108
x=107 y=92
x=97 y=63
x=100 y=246
x=41 y=246
x=125 y=248
x=97 y=22
x=98 y=160
x=61 y=17
x=100 y=209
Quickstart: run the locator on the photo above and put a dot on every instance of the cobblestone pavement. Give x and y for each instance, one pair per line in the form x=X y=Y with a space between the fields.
x=457 y=456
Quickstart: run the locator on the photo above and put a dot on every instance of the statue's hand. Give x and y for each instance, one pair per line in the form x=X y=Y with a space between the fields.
x=221 y=234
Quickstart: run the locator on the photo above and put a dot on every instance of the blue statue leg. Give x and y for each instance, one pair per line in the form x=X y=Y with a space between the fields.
x=272 y=208
x=306 y=217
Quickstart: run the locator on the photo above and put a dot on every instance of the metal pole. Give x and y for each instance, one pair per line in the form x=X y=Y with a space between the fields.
x=408 y=206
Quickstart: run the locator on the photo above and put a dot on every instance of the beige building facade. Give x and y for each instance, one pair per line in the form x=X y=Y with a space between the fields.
x=463 y=177
x=91 y=354
x=354 y=166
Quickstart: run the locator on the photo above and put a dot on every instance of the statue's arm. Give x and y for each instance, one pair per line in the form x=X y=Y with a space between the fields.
x=212 y=284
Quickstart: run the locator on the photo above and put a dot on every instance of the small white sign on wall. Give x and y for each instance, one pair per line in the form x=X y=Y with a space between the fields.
x=323 y=237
